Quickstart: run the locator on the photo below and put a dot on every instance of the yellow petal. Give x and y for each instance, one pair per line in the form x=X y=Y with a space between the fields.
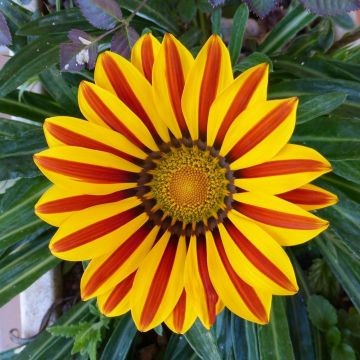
x=211 y=73
x=158 y=282
x=250 y=303
x=293 y=166
x=101 y=107
x=144 y=53
x=105 y=272
x=246 y=90
x=171 y=68
x=97 y=230
x=259 y=133
x=85 y=170
x=287 y=223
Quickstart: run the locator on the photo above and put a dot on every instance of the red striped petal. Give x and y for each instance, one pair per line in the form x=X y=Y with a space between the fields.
x=96 y=230
x=278 y=218
x=179 y=312
x=147 y=57
x=246 y=292
x=80 y=202
x=240 y=102
x=307 y=197
x=116 y=260
x=261 y=130
x=96 y=174
x=257 y=258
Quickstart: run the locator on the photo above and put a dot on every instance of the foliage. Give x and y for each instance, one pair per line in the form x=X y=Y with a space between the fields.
x=58 y=47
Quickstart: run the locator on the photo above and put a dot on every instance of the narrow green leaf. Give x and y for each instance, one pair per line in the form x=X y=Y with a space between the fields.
x=244 y=339
x=186 y=9
x=253 y=59
x=29 y=62
x=203 y=342
x=274 y=338
x=45 y=346
x=120 y=340
x=178 y=349
x=237 y=32
x=17 y=219
x=300 y=329
x=216 y=21
x=23 y=266
x=15 y=13
x=321 y=313
x=223 y=333
x=311 y=107
x=56 y=23
x=293 y=22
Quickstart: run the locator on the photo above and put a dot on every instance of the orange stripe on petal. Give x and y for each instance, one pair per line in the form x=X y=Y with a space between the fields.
x=159 y=283
x=239 y=103
x=209 y=85
x=147 y=57
x=96 y=230
x=308 y=197
x=108 y=117
x=118 y=294
x=257 y=258
x=71 y=138
x=80 y=202
x=117 y=258
x=262 y=129
x=281 y=167
x=210 y=293
x=176 y=81
x=246 y=292
x=90 y=173
x=278 y=218
x=126 y=94
x=179 y=312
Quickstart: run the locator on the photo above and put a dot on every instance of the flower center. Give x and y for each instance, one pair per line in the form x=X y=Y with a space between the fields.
x=189 y=184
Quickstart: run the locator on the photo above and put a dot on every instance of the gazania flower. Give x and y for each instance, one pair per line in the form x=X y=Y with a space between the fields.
x=181 y=187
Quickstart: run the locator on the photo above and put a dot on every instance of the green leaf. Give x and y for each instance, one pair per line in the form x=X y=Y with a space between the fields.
x=252 y=60
x=121 y=338
x=22 y=266
x=216 y=21
x=333 y=336
x=152 y=14
x=274 y=338
x=237 y=32
x=178 y=349
x=15 y=153
x=331 y=7
x=343 y=352
x=17 y=219
x=15 y=13
x=223 y=333
x=321 y=313
x=202 y=342
x=300 y=329
x=45 y=346
x=244 y=339
x=293 y=22
x=187 y=9
x=30 y=61
x=59 y=22
x=311 y=107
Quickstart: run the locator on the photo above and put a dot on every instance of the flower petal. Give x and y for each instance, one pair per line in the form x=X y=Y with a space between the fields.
x=101 y=107
x=116 y=301
x=199 y=288
x=65 y=130
x=243 y=300
x=158 y=282
x=259 y=133
x=85 y=170
x=293 y=166
x=256 y=257
x=246 y=90
x=287 y=223
x=211 y=73
x=171 y=68
x=310 y=197
x=144 y=53
x=104 y=272
x=57 y=204
x=97 y=230
x=182 y=317
x=117 y=75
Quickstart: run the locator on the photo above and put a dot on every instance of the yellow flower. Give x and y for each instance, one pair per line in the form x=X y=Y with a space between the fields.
x=180 y=187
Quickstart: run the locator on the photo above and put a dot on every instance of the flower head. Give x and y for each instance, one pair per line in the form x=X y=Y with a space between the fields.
x=181 y=187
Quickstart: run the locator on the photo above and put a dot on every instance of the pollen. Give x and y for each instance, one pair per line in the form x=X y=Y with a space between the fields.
x=189 y=185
